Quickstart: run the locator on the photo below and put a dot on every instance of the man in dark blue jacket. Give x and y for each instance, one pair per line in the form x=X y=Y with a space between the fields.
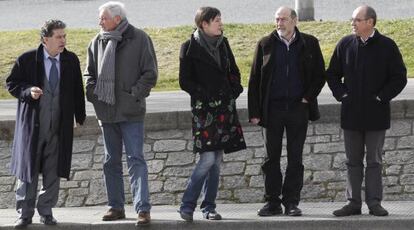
x=286 y=77
x=366 y=71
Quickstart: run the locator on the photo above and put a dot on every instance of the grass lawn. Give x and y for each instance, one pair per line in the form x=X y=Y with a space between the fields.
x=242 y=38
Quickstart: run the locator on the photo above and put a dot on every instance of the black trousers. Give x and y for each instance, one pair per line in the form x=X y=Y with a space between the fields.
x=295 y=122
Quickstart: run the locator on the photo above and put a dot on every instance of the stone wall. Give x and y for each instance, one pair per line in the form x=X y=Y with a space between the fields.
x=168 y=150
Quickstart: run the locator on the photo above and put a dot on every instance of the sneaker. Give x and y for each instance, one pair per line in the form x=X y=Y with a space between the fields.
x=144 y=218
x=187 y=216
x=348 y=210
x=378 y=210
x=270 y=209
x=114 y=214
x=212 y=215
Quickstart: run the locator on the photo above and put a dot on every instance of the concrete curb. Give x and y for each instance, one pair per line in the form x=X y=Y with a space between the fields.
x=235 y=216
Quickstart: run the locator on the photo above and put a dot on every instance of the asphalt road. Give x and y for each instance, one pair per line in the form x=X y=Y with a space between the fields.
x=30 y=14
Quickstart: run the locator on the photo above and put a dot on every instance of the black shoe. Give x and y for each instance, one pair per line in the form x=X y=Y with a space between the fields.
x=48 y=220
x=270 y=209
x=22 y=223
x=187 y=216
x=292 y=210
x=348 y=210
x=378 y=210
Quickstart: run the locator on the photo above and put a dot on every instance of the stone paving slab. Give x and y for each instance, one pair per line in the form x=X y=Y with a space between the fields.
x=235 y=216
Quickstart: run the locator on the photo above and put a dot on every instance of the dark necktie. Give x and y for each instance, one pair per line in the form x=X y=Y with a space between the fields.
x=53 y=74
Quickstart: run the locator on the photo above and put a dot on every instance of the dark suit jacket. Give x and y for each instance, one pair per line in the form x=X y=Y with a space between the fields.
x=28 y=71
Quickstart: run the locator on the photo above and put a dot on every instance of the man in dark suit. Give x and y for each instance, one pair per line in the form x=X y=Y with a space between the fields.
x=48 y=84
x=286 y=77
x=366 y=71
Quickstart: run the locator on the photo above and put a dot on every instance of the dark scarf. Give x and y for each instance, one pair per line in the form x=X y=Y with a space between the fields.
x=211 y=44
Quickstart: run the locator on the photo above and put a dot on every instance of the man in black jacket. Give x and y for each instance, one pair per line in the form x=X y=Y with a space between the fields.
x=366 y=71
x=286 y=77
x=47 y=83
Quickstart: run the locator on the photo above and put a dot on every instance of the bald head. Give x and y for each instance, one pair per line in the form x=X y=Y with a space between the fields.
x=285 y=20
x=286 y=11
x=363 y=21
x=367 y=12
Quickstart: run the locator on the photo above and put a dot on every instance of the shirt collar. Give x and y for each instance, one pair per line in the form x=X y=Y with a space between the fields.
x=370 y=36
x=287 y=42
x=46 y=55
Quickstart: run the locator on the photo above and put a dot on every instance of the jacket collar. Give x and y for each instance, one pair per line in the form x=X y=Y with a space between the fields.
x=195 y=50
x=40 y=54
x=298 y=37
x=370 y=40
x=128 y=34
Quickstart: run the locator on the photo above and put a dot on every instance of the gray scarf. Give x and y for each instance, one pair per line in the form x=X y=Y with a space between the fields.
x=211 y=44
x=105 y=85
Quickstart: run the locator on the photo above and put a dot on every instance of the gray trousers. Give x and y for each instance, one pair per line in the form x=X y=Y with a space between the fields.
x=46 y=162
x=355 y=144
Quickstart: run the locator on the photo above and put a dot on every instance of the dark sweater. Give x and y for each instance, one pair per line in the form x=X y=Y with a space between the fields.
x=286 y=85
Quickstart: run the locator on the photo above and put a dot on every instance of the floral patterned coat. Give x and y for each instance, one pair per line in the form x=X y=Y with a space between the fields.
x=213 y=90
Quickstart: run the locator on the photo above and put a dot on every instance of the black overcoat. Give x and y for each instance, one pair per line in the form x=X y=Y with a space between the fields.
x=28 y=71
x=311 y=73
x=371 y=74
x=213 y=90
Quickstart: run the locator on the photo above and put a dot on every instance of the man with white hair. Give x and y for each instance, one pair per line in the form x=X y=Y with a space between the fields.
x=286 y=77
x=121 y=70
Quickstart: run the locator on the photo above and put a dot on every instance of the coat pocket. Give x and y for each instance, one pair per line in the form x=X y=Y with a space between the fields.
x=130 y=105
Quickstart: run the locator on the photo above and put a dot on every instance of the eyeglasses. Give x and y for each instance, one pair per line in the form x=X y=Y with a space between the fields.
x=282 y=20
x=358 y=19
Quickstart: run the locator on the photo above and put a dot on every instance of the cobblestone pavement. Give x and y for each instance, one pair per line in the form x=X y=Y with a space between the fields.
x=26 y=14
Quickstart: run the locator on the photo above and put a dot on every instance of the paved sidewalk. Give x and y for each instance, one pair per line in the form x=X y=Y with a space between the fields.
x=235 y=216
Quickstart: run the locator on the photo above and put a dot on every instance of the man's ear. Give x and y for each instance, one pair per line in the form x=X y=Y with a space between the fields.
x=371 y=21
x=117 y=19
x=295 y=20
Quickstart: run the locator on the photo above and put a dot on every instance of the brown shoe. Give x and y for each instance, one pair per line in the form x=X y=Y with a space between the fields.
x=114 y=214
x=143 y=218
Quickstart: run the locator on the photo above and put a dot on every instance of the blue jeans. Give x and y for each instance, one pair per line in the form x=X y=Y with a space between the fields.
x=132 y=135
x=205 y=177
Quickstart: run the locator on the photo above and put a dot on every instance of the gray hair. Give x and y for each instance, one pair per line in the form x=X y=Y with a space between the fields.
x=370 y=13
x=114 y=9
x=293 y=14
